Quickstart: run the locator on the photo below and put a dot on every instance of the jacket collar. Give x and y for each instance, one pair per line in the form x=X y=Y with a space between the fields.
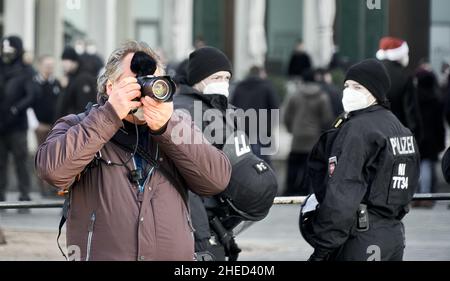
x=215 y=101
x=372 y=108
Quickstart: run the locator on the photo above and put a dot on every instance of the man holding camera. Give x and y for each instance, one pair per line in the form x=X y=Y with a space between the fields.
x=127 y=179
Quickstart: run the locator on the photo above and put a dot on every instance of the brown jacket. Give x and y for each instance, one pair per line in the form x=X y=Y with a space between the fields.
x=106 y=219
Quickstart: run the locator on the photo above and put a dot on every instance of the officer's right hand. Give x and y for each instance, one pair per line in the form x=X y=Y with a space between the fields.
x=122 y=96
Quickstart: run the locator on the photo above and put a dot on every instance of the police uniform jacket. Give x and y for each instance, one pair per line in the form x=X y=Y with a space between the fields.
x=370 y=159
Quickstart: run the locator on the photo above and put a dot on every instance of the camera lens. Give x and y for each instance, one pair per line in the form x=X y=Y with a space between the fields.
x=160 y=89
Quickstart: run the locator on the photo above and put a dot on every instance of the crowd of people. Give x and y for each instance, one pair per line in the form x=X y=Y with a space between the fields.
x=23 y=87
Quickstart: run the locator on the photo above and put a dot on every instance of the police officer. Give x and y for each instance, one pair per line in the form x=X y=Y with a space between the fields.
x=364 y=173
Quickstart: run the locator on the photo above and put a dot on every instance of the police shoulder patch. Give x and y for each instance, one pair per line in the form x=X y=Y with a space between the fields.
x=332 y=163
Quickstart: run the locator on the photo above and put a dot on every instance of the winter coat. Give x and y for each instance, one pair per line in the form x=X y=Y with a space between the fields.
x=47 y=93
x=255 y=93
x=16 y=91
x=403 y=98
x=81 y=90
x=109 y=219
x=371 y=159
x=307 y=113
x=432 y=112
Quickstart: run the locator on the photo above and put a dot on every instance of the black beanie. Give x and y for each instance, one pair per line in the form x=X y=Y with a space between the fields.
x=204 y=62
x=373 y=75
x=70 y=54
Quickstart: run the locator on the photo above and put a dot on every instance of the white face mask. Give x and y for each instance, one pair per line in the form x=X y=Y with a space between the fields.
x=219 y=88
x=139 y=114
x=354 y=100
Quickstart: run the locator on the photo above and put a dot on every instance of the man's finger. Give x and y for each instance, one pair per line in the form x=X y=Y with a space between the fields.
x=131 y=87
x=151 y=101
x=127 y=80
x=132 y=95
x=135 y=104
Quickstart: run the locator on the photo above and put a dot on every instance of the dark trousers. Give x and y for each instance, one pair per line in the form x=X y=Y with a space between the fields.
x=15 y=144
x=384 y=241
x=297 y=164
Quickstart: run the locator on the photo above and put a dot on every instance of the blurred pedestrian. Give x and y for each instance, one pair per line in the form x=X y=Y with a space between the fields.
x=257 y=93
x=325 y=80
x=47 y=91
x=307 y=113
x=299 y=62
x=394 y=53
x=80 y=88
x=16 y=96
x=433 y=141
x=90 y=60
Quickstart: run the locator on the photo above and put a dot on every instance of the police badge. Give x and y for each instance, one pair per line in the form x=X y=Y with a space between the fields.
x=332 y=163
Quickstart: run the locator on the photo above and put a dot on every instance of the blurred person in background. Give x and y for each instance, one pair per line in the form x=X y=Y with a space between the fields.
x=80 y=88
x=299 y=62
x=257 y=92
x=445 y=88
x=16 y=95
x=433 y=141
x=307 y=112
x=325 y=79
x=394 y=54
x=90 y=61
x=47 y=91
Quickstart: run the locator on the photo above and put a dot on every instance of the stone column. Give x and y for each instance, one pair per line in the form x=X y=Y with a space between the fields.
x=19 y=20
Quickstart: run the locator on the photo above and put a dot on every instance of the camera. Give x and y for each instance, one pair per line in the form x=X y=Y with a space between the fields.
x=160 y=88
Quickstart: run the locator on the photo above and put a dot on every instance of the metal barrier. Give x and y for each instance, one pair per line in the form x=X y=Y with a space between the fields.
x=277 y=201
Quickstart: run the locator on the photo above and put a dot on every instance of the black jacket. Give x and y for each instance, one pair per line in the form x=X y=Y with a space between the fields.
x=81 y=90
x=371 y=159
x=256 y=93
x=403 y=98
x=432 y=112
x=16 y=95
x=46 y=97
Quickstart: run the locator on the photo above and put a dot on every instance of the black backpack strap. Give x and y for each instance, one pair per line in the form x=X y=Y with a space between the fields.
x=61 y=224
x=66 y=205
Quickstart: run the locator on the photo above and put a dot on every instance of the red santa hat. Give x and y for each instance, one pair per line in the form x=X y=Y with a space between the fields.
x=393 y=49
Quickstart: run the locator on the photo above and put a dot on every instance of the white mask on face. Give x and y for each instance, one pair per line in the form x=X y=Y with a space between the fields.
x=219 y=88
x=354 y=100
x=139 y=114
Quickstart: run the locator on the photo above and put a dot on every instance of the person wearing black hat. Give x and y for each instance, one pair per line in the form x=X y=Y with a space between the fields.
x=16 y=95
x=364 y=173
x=205 y=97
x=205 y=83
x=80 y=88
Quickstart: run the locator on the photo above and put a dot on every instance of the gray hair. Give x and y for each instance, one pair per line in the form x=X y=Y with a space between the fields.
x=113 y=68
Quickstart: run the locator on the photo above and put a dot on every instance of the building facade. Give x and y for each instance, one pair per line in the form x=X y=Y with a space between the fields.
x=249 y=31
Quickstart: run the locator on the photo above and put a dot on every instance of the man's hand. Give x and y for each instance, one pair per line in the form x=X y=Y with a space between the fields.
x=122 y=96
x=156 y=114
